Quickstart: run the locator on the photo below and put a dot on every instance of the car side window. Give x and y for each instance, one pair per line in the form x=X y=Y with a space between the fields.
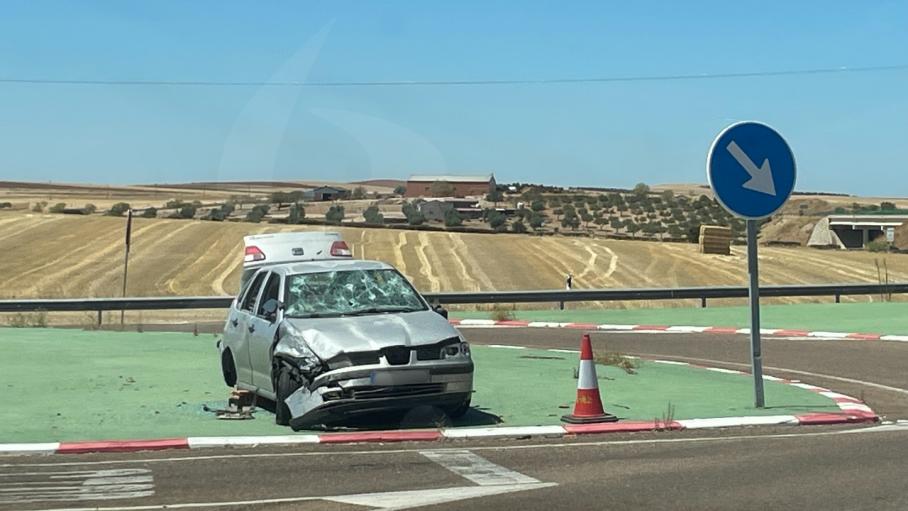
x=271 y=292
x=252 y=292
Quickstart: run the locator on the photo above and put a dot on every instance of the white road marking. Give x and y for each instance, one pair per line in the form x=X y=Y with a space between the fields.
x=497 y=432
x=77 y=485
x=420 y=498
x=477 y=469
x=794 y=371
x=491 y=479
x=722 y=422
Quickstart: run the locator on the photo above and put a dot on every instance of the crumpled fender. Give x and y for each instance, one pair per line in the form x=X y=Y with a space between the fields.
x=291 y=344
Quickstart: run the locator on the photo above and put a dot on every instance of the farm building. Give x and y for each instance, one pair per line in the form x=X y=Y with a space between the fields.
x=325 y=193
x=460 y=186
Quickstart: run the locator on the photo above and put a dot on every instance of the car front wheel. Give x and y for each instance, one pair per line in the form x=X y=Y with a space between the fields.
x=460 y=411
x=285 y=385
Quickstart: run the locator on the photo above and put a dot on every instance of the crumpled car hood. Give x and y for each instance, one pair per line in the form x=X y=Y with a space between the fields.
x=328 y=337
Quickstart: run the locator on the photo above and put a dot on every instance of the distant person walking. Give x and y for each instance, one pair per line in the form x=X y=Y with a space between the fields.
x=568 y=284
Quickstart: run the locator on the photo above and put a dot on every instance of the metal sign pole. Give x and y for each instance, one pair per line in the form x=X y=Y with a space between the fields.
x=756 y=352
x=126 y=261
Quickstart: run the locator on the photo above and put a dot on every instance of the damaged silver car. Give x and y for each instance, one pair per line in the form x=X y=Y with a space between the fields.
x=330 y=340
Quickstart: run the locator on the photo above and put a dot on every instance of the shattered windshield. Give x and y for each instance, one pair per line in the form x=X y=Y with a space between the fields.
x=350 y=292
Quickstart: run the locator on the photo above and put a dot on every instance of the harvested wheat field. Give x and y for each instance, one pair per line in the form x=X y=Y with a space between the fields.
x=74 y=256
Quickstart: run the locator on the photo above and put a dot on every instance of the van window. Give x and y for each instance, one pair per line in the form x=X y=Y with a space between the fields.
x=271 y=292
x=253 y=291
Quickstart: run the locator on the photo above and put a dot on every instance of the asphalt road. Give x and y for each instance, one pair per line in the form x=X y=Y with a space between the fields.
x=840 y=467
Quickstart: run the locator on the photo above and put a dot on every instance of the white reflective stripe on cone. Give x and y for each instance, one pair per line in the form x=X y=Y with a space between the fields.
x=587 y=378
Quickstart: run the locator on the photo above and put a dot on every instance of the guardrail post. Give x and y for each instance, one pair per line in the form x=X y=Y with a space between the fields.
x=838 y=298
x=99 y=317
x=702 y=302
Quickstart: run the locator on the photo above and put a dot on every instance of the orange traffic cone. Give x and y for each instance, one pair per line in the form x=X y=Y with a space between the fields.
x=588 y=407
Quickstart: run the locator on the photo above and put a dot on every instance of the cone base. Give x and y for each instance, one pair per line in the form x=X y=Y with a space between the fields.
x=589 y=419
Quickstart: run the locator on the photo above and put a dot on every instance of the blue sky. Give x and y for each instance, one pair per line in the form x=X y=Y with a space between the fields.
x=848 y=131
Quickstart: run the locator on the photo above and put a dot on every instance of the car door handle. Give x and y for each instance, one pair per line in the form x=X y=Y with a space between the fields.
x=251 y=328
x=234 y=322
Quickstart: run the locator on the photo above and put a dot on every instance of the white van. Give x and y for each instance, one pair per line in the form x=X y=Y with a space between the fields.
x=290 y=247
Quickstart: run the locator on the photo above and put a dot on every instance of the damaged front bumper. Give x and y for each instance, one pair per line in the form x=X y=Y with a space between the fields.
x=340 y=395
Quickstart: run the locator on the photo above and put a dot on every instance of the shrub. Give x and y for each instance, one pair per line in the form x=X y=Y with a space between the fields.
x=641 y=189
x=335 y=214
x=373 y=216
x=878 y=245
x=257 y=213
x=118 y=209
x=887 y=206
x=216 y=214
x=519 y=227
x=296 y=215
x=39 y=206
x=188 y=211
x=537 y=205
x=536 y=221
x=358 y=193
x=496 y=220
x=58 y=207
x=89 y=208
x=413 y=214
x=500 y=313
x=150 y=213
x=452 y=218
x=23 y=320
x=494 y=196
x=839 y=210
x=400 y=190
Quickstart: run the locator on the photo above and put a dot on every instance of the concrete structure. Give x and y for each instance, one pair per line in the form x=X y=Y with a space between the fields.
x=854 y=231
x=461 y=186
x=325 y=193
x=823 y=236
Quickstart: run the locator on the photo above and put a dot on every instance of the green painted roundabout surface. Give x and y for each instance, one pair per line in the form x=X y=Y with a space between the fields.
x=67 y=385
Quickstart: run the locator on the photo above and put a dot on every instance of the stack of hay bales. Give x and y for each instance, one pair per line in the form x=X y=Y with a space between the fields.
x=715 y=239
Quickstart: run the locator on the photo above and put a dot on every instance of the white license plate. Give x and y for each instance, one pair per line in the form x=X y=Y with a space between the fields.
x=399 y=377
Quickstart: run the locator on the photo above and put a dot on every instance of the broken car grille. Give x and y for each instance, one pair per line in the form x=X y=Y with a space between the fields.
x=377 y=392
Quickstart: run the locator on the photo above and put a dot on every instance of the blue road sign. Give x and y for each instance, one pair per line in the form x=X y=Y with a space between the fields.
x=751 y=169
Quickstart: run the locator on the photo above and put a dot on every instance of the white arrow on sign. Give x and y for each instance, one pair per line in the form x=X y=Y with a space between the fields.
x=760 y=177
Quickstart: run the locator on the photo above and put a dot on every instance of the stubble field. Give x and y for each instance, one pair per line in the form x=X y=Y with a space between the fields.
x=72 y=256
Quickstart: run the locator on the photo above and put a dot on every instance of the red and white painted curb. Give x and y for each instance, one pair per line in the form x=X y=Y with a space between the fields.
x=678 y=329
x=851 y=411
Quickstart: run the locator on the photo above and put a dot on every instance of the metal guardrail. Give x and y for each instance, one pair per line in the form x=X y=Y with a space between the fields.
x=576 y=295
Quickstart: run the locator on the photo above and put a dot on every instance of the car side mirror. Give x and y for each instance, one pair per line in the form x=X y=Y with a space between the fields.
x=441 y=310
x=270 y=309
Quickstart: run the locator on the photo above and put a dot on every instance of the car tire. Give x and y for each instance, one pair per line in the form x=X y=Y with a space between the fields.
x=284 y=387
x=228 y=368
x=460 y=411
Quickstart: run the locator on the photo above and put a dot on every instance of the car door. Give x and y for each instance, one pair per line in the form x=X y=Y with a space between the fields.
x=237 y=329
x=262 y=330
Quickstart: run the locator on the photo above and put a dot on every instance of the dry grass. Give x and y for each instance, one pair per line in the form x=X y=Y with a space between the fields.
x=72 y=256
x=619 y=360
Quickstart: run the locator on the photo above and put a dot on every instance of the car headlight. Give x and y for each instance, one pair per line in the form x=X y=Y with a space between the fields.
x=460 y=349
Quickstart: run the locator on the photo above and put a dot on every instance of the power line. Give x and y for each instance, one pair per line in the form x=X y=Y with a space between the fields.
x=429 y=83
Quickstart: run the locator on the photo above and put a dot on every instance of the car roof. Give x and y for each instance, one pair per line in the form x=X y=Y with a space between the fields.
x=328 y=265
